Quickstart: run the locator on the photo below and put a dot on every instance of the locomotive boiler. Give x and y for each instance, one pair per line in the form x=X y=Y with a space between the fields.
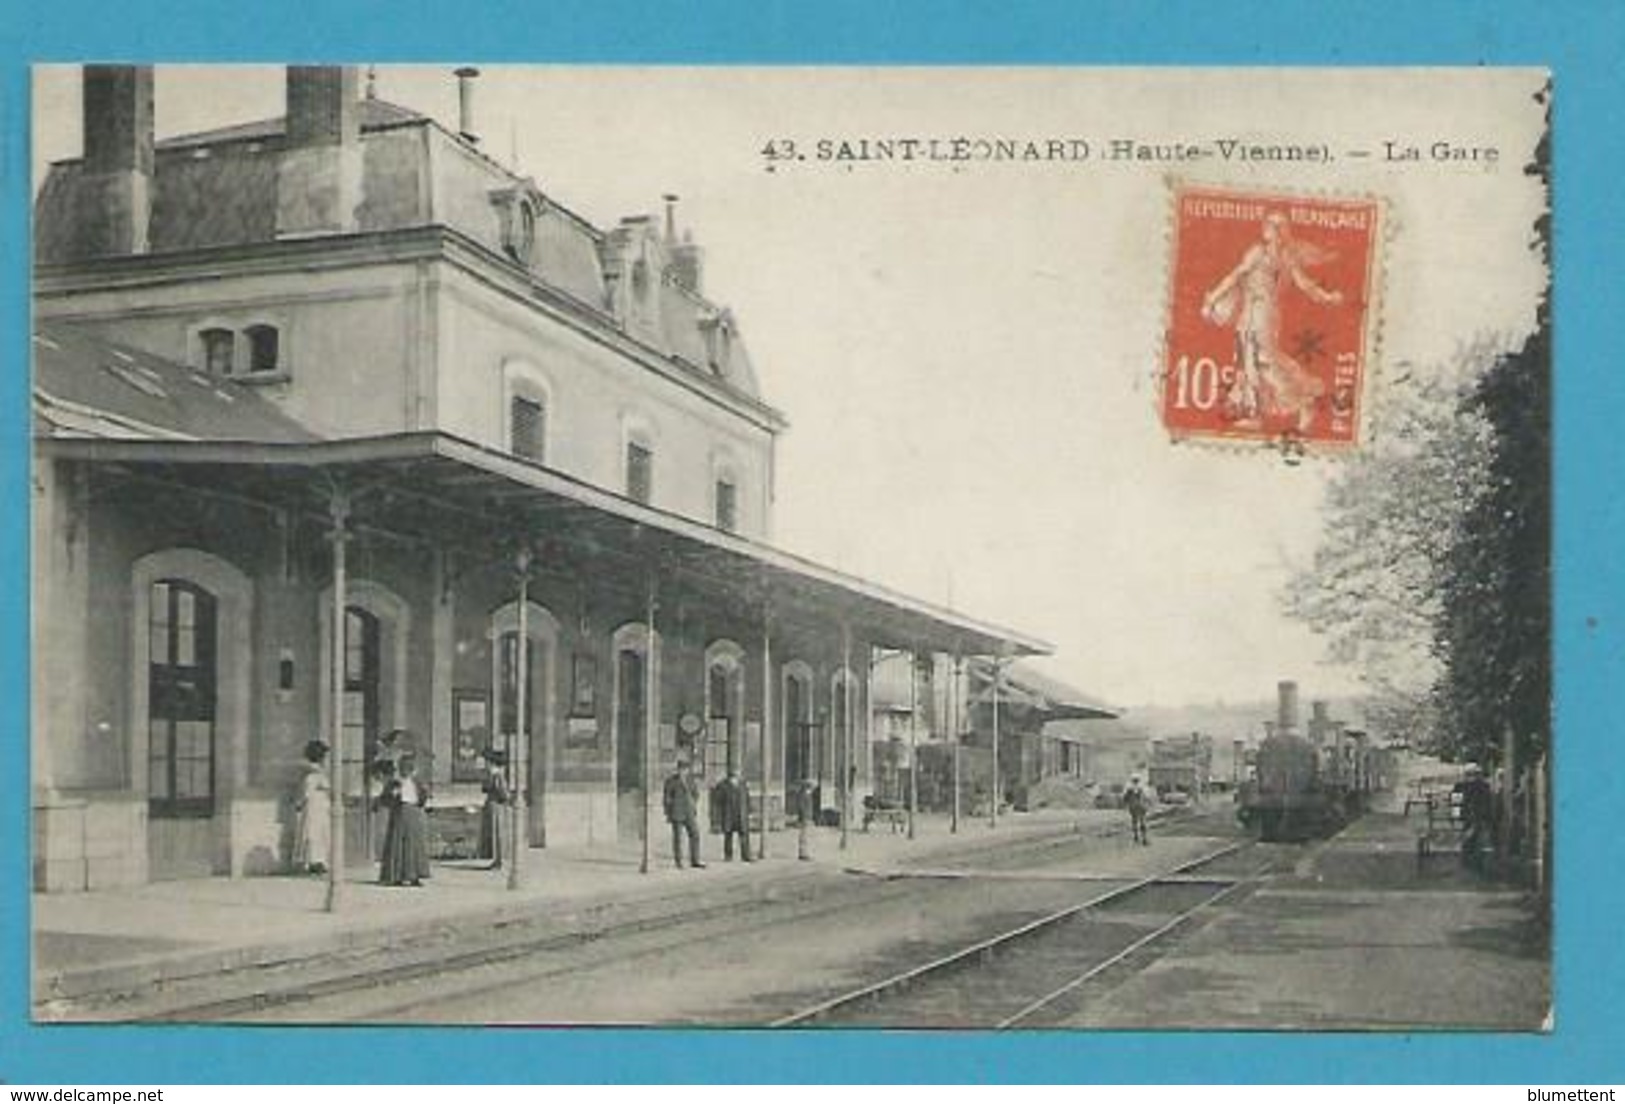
x=1305 y=785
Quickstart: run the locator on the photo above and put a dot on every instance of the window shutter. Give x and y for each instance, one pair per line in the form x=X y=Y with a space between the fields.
x=527 y=428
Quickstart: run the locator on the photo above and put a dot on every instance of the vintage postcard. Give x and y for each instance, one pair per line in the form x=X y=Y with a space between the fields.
x=967 y=548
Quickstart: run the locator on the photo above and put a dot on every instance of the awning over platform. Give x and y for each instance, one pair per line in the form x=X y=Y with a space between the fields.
x=451 y=493
x=1024 y=687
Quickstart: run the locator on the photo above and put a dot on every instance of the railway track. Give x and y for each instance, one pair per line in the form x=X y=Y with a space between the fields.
x=517 y=957
x=1027 y=975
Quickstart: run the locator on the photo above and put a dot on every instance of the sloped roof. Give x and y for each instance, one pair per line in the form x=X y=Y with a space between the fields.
x=375 y=115
x=84 y=386
x=219 y=188
x=1025 y=686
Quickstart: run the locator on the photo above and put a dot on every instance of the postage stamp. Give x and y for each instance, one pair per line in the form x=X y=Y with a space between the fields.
x=1269 y=331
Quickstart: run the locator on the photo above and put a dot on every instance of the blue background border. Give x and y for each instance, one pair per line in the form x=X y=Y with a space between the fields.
x=1584 y=45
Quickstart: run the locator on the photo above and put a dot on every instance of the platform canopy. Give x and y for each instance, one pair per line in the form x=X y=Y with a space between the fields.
x=1020 y=685
x=462 y=497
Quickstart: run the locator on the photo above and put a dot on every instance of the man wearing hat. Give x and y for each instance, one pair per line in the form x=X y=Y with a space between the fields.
x=682 y=803
x=494 y=814
x=731 y=799
x=1477 y=815
x=1134 y=800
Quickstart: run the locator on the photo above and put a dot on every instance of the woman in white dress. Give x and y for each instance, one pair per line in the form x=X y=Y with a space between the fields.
x=313 y=833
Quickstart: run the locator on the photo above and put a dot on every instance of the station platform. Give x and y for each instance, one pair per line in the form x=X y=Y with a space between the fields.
x=1358 y=934
x=94 y=945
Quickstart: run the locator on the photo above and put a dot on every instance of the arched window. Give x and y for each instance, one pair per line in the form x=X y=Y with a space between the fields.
x=527 y=426
x=640 y=472
x=527 y=394
x=218 y=351
x=263 y=349
x=727 y=494
x=181 y=700
x=724 y=490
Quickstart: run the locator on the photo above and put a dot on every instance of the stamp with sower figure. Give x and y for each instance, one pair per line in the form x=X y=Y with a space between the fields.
x=1270 y=320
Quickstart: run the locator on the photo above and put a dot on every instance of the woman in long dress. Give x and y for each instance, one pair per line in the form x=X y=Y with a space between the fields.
x=494 y=813
x=313 y=833
x=406 y=837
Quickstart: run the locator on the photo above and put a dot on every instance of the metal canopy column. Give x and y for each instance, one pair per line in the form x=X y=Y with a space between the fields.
x=339 y=512
x=518 y=834
x=952 y=710
x=767 y=721
x=846 y=731
x=651 y=744
x=998 y=675
x=913 y=735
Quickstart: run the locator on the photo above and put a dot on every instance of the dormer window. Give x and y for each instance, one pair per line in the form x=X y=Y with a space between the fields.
x=526 y=238
x=718 y=331
x=219 y=351
x=263 y=349
x=519 y=208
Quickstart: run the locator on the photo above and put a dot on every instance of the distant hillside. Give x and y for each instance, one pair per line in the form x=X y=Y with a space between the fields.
x=1228 y=721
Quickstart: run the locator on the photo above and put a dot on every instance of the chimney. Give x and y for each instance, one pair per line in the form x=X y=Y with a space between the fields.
x=686 y=260
x=465 y=102
x=1320 y=721
x=116 y=212
x=1287 y=719
x=318 y=186
x=688 y=264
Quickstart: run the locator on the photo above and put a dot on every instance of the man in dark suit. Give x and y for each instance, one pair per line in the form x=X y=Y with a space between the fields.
x=733 y=815
x=682 y=803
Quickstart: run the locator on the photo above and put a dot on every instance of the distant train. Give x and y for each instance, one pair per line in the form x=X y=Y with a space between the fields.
x=1310 y=787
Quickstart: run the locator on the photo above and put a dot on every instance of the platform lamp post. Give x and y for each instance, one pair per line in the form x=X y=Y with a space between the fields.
x=339 y=512
x=520 y=759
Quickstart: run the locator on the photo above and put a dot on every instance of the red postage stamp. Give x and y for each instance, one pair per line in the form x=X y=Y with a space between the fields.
x=1270 y=317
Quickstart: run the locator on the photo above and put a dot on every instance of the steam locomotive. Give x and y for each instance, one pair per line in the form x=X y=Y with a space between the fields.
x=1307 y=786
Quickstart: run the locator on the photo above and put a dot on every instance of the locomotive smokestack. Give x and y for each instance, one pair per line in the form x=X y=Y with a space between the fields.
x=1287 y=717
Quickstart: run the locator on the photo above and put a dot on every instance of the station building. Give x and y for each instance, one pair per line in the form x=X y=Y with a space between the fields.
x=328 y=410
x=952 y=717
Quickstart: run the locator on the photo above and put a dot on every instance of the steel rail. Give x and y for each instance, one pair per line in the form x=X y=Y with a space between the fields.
x=988 y=945
x=431 y=960
x=1144 y=941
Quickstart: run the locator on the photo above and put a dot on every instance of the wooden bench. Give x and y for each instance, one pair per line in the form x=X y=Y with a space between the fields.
x=894 y=814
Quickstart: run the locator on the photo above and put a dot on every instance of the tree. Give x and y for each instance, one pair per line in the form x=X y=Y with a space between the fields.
x=1376 y=586
x=1434 y=572
x=1495 y=625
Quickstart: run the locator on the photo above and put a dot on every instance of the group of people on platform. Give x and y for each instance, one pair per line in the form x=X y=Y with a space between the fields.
x=400 y=793
x=730 y=807
x=404 y=860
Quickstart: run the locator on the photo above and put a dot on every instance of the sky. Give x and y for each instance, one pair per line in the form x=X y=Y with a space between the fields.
x=966 y=354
